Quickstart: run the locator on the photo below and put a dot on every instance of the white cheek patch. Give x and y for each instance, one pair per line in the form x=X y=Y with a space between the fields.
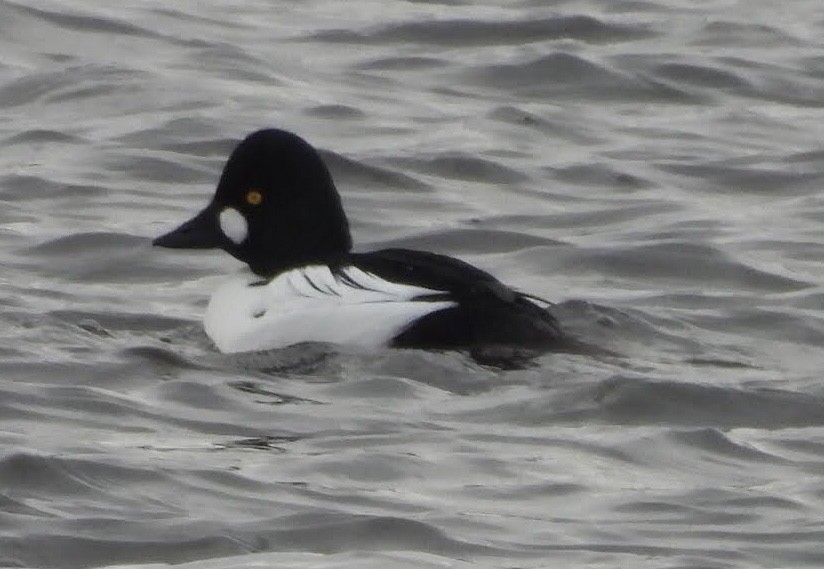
x=233 y=225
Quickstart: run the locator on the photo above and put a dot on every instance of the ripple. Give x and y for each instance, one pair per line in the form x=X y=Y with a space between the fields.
x=41 y=136
x=83 y=23
x=79 y=82
x=356 y=173
x=470 y=240
x=702 y=75
x=635 y=401
x=158 y=169
x=684 y=263
x=336 y=112
x=403 y=63
x=104 y=257
x=20 y=188
x=467 y=168
x=40 y=475
x=459 y=32
x=231 y=62
x=563 y=75
x=724 y=32
x=720 y=177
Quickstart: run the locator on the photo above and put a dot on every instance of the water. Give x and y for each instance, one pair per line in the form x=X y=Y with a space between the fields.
x=654 y=167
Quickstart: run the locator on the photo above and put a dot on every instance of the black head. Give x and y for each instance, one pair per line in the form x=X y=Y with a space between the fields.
x=276 y=207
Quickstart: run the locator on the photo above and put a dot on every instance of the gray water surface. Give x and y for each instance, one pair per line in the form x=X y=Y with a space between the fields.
x=654 y=167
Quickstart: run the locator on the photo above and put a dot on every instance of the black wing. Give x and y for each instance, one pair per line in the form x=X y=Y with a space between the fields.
x=487 y=312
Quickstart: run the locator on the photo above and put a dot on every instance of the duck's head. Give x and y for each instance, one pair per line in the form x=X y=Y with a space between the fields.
x=275 y=207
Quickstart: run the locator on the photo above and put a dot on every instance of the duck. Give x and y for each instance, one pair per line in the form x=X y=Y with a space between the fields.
x=277 y=210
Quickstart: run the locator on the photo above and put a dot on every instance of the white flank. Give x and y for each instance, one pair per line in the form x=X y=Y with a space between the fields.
x=233 y=225
x=312 y=304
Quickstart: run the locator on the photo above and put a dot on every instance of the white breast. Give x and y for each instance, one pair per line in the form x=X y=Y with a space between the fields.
x=312 y=304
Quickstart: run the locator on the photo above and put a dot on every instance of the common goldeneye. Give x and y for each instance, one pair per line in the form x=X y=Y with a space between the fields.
x=276 y=209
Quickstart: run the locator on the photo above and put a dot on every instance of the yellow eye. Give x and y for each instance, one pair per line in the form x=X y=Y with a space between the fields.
x=253 y=197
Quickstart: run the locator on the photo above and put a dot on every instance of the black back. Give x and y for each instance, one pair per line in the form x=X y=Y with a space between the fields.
x=487 y=312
